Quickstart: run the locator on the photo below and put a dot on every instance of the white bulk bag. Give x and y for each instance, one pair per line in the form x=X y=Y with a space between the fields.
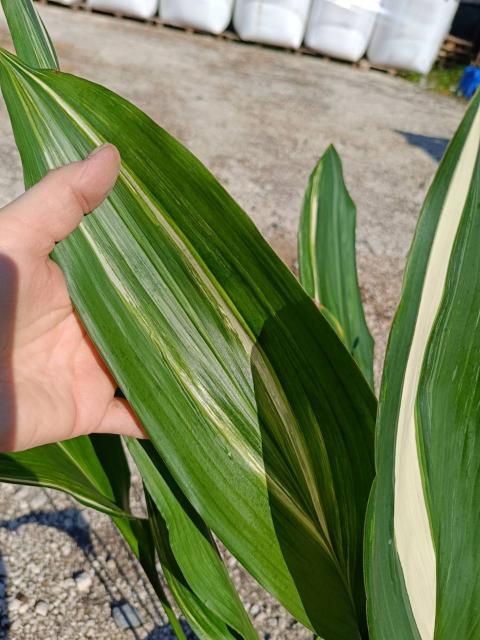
x=207 y=15
x=135 y=8
x=408 y=33
x=341 y=28
x=277 y=22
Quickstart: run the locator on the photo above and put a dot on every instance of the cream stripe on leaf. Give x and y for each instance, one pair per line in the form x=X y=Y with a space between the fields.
x=327 y=261
x=408 y=574
x=58 y=464
x=72 y=466
x=201 y=325
x=411 y=521
x=31 y=40
x=448 y=416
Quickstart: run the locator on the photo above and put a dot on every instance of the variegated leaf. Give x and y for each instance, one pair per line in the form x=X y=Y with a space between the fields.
x=326 y=257
x=202 y=326
x=423 y=555
x=30 y=38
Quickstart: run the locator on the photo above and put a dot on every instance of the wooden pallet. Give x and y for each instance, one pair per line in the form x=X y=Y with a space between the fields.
x=455 y=52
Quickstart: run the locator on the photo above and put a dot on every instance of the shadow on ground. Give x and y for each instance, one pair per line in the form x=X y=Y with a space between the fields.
x=165 y=632
x=72 y=522
x=434 y=147
x=4 y=619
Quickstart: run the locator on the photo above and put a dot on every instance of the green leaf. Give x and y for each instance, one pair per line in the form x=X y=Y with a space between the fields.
x=34 y=46
x=111 y=456
x=136 y=532
x=201 y=619
x=422 y=538
x=70 y=466
x=75 y=467
x=190 y=560
x=138 y=535
x=30 y=38
x=202 y=326
x=326 y=252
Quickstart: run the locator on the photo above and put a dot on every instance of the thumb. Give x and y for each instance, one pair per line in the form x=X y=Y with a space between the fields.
x=52 y=209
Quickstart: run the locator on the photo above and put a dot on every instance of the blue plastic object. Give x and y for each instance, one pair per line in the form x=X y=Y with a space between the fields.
x=470 y=81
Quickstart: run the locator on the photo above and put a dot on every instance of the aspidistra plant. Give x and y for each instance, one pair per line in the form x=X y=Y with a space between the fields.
x=197 y=319
x=261 y=422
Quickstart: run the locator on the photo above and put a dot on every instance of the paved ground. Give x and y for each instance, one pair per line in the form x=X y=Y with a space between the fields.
x=259 y=119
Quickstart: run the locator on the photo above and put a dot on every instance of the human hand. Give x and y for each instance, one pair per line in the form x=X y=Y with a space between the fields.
x=53 y=384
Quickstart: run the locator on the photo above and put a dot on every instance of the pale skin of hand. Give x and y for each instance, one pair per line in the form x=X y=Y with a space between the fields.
x=53 y=384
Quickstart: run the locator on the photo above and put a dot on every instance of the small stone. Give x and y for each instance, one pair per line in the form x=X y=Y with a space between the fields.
x=41 y=608
x=255 y=610
x=18 y=603
x=38 y=501
x=83 y=581
x=111 y=564
x=66 y=549
x=126 y=617
x=144 y=596
x=14 y=605
x=68 y=583
x=22 y=493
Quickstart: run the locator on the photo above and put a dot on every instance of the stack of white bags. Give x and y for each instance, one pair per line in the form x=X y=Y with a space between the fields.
x=341 y=28
x=409 y=33
x=136 y=8
x=206 y=15
x=404 y=34
x=278 y=22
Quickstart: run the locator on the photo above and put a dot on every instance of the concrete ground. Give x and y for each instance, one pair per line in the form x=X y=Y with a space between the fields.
x=259 y=119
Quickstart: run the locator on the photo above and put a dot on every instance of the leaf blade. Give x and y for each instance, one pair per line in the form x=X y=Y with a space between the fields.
x=190 y=552
x=208 y=315
x=416 y=452
x=30 y=37
x=72 y=467
x=327 y=263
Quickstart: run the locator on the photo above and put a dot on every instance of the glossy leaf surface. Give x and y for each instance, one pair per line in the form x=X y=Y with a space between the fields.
x=190 y=560
x=72 y=467
x=202 y=326
x=422 y=551
x=32 y=42
x=326 y=257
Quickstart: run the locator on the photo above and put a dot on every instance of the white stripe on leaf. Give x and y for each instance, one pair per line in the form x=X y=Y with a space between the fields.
x=413 y=536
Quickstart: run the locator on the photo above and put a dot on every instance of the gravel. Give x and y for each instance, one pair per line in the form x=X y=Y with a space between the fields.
x=259 y=119
x=83 y=581
x=41 y=608
x=126 y=617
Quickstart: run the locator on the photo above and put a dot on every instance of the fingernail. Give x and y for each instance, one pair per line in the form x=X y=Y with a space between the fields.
x=97 y=150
